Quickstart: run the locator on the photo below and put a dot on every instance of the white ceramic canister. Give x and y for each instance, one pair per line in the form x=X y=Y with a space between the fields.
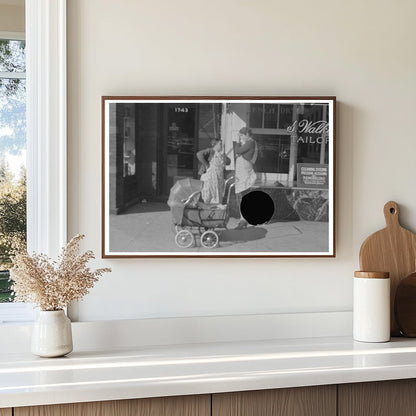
x=371 y=309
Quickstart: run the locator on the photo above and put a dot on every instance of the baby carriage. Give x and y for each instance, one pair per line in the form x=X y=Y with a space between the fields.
x=192 y=217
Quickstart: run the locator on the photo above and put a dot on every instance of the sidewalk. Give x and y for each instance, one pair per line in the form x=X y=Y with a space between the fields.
x=148 y=228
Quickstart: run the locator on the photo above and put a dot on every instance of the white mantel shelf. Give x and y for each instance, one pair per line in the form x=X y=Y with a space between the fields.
x=148 y=371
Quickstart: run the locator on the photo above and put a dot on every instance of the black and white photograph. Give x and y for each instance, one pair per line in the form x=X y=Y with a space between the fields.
x=218 y=176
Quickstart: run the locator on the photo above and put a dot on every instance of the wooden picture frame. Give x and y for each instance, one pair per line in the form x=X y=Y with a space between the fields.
x=163 y=193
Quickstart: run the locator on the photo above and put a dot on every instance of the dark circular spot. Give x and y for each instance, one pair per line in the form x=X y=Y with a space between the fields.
x=392 y=210
x=257 y=207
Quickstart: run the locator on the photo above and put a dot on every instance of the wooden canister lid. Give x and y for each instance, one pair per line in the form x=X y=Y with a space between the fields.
x=372 y=275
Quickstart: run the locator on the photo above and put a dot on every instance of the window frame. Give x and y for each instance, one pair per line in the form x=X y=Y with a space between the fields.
x=46 y=115
x=46 y=125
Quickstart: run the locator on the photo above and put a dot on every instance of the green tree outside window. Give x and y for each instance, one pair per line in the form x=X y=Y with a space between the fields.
x=12 y=151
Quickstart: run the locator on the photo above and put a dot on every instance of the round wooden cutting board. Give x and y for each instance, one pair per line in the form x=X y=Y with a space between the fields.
x=392 y=250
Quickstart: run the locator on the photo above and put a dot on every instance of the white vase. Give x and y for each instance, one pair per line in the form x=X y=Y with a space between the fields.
x=52 y=334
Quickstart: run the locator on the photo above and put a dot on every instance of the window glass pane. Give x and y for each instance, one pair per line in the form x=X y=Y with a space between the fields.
x=12 y=56
x=256 y=116
x=285 y=116
x=209 y=121
x=270 y=116
x=12 y=159
x=209 y=124
x=129 y=141
x=181 y=140
x=273 y=156
x=13 y=122
x=313 y=145
x=5 y=292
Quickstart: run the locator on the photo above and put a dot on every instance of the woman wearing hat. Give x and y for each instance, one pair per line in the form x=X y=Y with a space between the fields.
x=245 y=151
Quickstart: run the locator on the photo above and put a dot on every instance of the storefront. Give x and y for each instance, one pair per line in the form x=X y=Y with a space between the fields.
x=153 y=145
x=156 y=144
x=286 y=135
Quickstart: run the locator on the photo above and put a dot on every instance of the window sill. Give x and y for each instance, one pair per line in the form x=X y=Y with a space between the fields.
x=16 y=313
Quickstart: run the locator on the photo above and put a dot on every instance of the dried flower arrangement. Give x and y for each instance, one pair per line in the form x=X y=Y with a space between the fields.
x=52 y=285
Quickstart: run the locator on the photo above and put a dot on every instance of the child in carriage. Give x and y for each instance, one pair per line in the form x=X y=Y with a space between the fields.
x=193 y=218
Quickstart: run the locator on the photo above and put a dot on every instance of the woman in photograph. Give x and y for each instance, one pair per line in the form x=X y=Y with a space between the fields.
x=213 y=189
x=204 y=156
x=245 y=151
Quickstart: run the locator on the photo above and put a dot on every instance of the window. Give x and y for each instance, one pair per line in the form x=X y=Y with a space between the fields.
x=271 y=116
x=46 y=136
x=12 y=155
x=274 y=151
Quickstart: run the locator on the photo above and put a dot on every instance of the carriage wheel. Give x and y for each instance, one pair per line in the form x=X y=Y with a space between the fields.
x=209 y=239
x=184 y=239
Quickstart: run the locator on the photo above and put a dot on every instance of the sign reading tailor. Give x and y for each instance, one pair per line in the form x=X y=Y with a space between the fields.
x=312 y=175
x=305 y=131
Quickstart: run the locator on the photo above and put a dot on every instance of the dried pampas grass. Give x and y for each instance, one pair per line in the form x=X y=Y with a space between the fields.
x=53 y=285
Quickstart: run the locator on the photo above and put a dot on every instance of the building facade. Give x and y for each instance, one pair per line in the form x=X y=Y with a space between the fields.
x=154 y=144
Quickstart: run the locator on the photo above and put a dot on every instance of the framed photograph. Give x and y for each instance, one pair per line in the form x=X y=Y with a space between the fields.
x=218 y=177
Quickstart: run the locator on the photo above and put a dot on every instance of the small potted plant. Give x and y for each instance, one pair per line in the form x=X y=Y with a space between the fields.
x=52 y=286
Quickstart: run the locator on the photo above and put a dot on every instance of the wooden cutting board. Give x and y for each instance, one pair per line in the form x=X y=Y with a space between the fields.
x=405 y=306
x=392 y=250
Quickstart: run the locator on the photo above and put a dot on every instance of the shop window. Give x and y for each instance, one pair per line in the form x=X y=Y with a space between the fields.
x=310 y=144
x=129 y=142
x=256 y=116
x=273 y=153
x=285 y=116
x=271 y=116
x=181 y=141
x=209 y=123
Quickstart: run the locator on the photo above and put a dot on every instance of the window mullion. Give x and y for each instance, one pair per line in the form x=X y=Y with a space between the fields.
x=12 y=75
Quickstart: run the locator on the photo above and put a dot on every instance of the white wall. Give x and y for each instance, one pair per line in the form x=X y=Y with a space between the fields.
x=361 y=51
x=12 y=16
